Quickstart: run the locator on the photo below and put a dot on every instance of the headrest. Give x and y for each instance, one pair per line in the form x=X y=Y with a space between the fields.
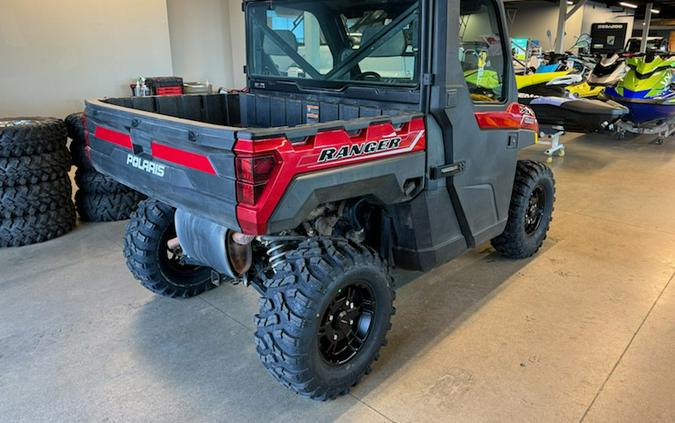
x=270 y=47
x=393 y=47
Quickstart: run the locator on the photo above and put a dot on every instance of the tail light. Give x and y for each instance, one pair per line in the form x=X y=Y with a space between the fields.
x=516 y=116
x=253 y=174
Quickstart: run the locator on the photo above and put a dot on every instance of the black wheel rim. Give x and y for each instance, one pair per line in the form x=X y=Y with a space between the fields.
x=346 y=324
x=171 y=265
x=535 y=210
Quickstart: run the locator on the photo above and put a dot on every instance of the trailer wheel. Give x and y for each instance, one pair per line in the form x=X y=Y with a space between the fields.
x=150 y=260
x=324 y=316
x=530 y=213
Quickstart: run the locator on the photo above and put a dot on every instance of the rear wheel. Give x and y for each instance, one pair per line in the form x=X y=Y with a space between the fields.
x=530 y=213
x=324 y=317
x=150 y=260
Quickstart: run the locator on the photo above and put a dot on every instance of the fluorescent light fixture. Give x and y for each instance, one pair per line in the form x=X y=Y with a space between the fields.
x=629 y=5
x=570 y=3
x=656 y=11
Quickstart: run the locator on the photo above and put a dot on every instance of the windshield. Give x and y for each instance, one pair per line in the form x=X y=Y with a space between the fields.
x=335 y=41
x=652 y=45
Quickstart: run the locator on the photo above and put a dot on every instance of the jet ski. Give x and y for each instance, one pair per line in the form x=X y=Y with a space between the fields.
x=575 y=114
x=607 y=72
x=646 y=90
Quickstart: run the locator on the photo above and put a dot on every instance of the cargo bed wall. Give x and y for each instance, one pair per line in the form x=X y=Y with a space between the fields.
x=217 y=109
x=270 y=110
x=262 y=110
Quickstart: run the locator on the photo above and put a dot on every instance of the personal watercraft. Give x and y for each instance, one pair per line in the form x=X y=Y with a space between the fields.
x=575 y=114
x=607 y=72
x=656 y=45
x=646 y=89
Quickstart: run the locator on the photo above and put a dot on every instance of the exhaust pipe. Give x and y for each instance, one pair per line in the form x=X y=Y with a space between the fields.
x=213 y=245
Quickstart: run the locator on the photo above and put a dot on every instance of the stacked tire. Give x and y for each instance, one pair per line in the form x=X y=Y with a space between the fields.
x=35 y=189
x=99 y=197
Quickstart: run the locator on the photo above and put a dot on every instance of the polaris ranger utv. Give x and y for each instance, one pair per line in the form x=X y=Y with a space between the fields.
x=358 y=146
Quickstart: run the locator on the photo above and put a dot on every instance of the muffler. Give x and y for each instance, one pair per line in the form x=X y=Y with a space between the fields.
x=212 y=245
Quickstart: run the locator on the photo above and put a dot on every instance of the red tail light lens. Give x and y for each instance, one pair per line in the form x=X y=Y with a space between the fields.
x=516 y=116
x=253 y=173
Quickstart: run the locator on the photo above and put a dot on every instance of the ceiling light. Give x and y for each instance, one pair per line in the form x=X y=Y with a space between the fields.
x=570 y=3
x=656 y=11
x=629 y=5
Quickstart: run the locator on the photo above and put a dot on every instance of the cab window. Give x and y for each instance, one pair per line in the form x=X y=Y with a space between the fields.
x=481 y=50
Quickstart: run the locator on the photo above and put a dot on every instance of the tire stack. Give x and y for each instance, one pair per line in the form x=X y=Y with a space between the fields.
x=35 y=189
x=99 y=197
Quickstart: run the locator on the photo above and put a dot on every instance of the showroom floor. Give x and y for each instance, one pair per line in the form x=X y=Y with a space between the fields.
x=584 y=331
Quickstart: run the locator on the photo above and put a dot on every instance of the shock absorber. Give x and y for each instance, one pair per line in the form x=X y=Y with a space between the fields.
x=276 y=253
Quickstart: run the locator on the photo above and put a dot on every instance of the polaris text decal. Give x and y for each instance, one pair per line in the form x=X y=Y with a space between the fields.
x=146 y=165
x=356 y=150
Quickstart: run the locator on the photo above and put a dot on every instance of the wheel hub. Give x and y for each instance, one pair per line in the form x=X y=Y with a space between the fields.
x=346 y=324
x=535 y=210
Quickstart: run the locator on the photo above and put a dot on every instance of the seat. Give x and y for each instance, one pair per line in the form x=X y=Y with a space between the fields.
x=271 y=48
x=393 y=47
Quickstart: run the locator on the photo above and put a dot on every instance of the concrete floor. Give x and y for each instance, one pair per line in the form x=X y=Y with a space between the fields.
x=585 y=331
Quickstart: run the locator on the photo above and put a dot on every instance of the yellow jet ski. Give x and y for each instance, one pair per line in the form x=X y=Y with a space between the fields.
x=524 y=81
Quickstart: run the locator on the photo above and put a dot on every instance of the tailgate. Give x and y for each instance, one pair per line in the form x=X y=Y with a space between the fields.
x=187 y=164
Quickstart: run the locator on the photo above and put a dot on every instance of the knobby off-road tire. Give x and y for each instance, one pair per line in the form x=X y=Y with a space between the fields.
x=75 y=126
x=107 y=207
x=26 y=230
x=79 y=155
x=530 y=213
x=31 y=200
x=294 y=335
x=93 y=182
x=148 y=257
x=26 y=170
x=27 y=136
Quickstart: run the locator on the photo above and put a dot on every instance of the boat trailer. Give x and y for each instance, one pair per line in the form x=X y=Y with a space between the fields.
x=663 y=129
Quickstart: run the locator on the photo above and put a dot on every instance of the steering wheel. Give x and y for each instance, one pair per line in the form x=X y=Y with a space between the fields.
x=368 y=76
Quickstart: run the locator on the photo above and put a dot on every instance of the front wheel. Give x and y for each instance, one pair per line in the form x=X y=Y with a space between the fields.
x=530 y=213
x=150 y=260
x=324 y=316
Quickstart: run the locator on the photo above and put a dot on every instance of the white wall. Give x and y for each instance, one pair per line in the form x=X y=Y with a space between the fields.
x=53 y=54
x=238 y=39
x=207 y=41
x=535 y=22
x=200 y=40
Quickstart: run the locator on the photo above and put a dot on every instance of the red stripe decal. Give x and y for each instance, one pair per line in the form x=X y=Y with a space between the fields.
x=119 y=138
x=182 y=157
